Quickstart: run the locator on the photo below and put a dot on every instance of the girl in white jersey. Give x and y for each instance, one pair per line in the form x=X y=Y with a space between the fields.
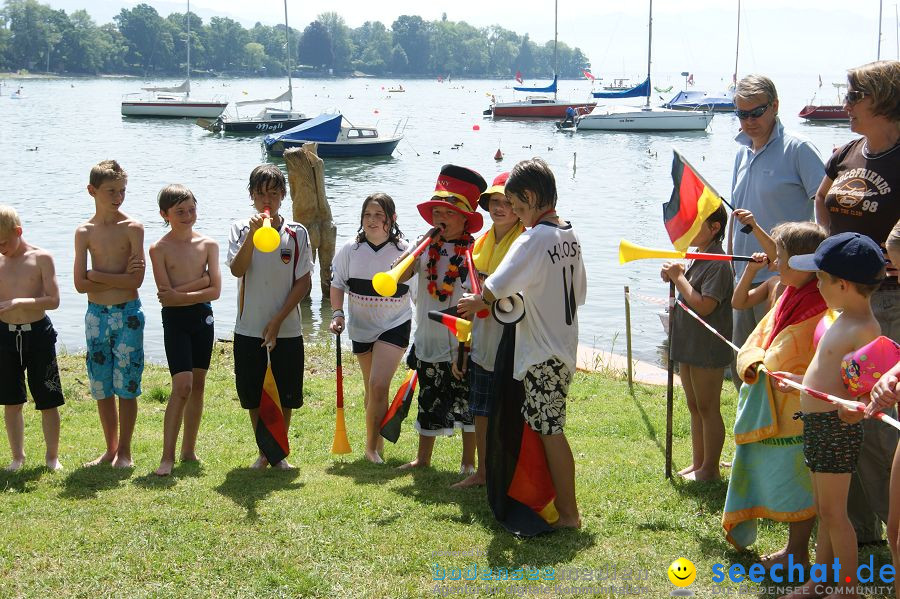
x=379 y=326
x=545 y=265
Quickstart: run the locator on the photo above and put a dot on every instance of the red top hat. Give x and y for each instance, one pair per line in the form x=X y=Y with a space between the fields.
x=457 y=188
x=498 y=186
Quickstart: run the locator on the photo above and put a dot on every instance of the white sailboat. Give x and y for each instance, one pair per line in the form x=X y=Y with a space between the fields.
x=645 y=118
x=269 y=119
x=173 y=102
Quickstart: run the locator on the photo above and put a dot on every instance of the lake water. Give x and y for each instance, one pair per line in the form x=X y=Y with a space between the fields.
x=611 y=185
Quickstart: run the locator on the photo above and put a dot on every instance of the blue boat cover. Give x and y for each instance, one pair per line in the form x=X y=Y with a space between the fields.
x=694 y=99
x=635 y=92
x=324 y=127
x=550 y=89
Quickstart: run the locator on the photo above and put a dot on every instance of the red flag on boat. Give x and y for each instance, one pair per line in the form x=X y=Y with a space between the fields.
x=692 y=202
x=690 y=80
x=519 y=76
x=271 y=432
x=588 y=74
x=820 y=81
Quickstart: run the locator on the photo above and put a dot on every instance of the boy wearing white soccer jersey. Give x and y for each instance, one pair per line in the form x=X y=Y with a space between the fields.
x=545 y=265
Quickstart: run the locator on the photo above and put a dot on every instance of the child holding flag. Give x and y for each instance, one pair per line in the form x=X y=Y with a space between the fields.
x=544 y=263
x=379 y=326
x=443 y=390
x=487 y=253
x=270 y=287
x=706 y=287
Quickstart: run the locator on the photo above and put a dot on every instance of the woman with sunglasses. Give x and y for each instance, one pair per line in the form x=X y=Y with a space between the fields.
x=861 y=193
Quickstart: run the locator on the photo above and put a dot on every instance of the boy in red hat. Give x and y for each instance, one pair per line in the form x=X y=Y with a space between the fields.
x=444 y=390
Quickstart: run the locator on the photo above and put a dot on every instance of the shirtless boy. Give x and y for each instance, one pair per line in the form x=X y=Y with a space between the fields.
x=114 y=323
x=186 y=270
x=27 y=340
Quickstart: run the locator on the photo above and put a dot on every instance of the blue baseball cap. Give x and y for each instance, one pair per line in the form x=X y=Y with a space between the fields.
x=850 y=256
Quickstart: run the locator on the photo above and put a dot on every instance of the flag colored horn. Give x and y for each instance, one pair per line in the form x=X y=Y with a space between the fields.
x=385 y=283
x=460 y=327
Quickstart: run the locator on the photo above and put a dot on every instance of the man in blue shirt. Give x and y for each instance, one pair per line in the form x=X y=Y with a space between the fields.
x=776 y=176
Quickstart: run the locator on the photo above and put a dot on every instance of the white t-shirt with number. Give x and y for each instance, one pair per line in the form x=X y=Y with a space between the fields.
x=268 y=281
x=352 y=270
x=545 y=264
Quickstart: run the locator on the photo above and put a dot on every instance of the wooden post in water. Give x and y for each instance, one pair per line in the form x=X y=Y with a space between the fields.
x=574 y=162
x=670 y=379
x=628 y=338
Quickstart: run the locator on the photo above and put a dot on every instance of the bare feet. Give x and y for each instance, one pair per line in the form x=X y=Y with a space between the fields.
x=702 y=476
x=260 y=463
x=283 y=465
x=568 y=522
x=53 y=464
x=725 y=464
x=473 y=480
x=189 y=457
x=122 y=461
x=467 y=469
x=413 y=464
x=373 y=457
x=165 y=468
x=781 y=557
x=106 y=458
x=15 y=464
x=686 y=471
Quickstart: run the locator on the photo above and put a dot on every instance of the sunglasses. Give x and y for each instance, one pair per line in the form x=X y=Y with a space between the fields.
x=853 y=96
x=753 y=113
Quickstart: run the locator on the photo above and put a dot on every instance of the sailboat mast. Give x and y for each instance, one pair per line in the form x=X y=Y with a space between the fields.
x=737 y=46
x=287 y=45
x=555 y=59
x=649 y=50
x=188 y=16
x=880 y=7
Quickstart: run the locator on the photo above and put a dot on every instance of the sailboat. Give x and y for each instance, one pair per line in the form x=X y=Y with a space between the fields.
x=173 y=101
x=542 y=106
x=269 y=119
x=645 y=118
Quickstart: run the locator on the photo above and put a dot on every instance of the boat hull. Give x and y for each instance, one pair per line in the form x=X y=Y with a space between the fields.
x=336 y=149
x=255 y=126
x=645 y=120
x=829 y=114
x=548 y=110
x=208 y=110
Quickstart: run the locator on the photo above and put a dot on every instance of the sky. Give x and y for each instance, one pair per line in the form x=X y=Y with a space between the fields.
x=806 y=37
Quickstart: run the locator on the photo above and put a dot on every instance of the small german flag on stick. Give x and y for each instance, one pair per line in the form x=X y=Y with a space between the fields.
x=693 y=201
x=271 y=432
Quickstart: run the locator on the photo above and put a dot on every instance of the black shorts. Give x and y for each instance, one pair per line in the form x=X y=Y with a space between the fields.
x=250 y=370
x=398 y=336
x=188 y=333
x=29 y=348
x=830 y=445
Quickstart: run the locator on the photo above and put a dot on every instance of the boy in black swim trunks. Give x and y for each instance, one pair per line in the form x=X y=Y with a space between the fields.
x=186 y=270
x=850 y=267
x=27 y=340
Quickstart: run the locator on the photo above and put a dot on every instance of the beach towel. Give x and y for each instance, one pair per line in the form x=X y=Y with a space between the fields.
x=769 y=478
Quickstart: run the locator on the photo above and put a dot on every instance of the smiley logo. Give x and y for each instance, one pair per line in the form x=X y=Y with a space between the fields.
x=682 y=572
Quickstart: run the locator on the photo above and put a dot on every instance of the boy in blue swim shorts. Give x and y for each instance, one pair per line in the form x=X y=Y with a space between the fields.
x=114 y=323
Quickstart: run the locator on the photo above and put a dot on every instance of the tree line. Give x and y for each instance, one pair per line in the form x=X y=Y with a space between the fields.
x=139 y=41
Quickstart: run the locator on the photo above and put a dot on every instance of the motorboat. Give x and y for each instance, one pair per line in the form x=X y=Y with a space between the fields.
x=336 y=138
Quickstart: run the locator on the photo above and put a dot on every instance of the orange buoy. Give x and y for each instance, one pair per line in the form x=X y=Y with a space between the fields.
x=498 y=156
x=476 y=127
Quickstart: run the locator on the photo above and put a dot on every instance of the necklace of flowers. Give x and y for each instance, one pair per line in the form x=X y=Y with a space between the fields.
x=453 y=270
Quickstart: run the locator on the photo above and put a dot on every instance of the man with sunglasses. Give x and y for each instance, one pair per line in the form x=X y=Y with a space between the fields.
x=860 y=193
x=775 y=177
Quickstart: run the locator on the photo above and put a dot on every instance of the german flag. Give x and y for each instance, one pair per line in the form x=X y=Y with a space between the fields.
x=693 y=201
x=399 y=409
x=519 y=487
x=271 y=432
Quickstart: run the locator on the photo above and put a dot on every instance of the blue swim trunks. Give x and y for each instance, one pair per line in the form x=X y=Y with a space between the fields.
x=115 y=349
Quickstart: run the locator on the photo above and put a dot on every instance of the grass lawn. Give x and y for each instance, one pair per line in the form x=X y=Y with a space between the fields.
x=341 y=527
